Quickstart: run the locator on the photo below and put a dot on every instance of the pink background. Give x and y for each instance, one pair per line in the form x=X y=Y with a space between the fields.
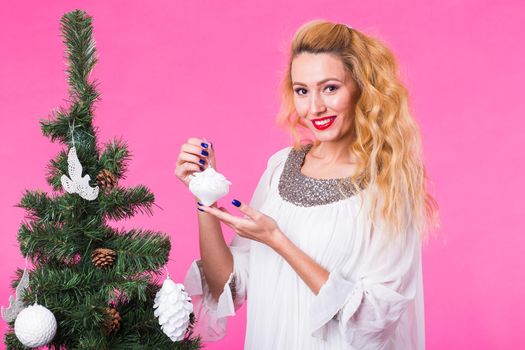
x=169 y=70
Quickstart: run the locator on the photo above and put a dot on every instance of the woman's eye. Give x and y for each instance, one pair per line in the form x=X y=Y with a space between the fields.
x=298 y=90
x=333 y=86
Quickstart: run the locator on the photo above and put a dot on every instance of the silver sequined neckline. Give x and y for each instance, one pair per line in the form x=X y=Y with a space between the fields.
x=305 y=191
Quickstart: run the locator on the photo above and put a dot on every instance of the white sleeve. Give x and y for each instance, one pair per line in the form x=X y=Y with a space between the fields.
x=367 y=302
x=211 y=315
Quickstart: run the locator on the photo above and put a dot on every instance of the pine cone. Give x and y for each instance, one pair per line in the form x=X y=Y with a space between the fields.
x=112 y=324
x=106 y=180
x=103 y=257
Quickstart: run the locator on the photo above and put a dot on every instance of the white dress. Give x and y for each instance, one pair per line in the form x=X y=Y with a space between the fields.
x=373 y=298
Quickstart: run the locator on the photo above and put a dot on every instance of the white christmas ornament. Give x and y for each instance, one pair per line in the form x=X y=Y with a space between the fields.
x=35 y=326
x=209 y=186
x=77 y=183
x=173 y=308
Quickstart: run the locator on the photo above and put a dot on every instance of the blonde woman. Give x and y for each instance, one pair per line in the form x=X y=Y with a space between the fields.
x=328 y=251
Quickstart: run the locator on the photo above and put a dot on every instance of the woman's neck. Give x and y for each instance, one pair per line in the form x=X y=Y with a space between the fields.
x=333 y=152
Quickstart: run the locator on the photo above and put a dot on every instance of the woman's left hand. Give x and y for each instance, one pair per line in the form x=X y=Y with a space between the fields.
x=255 y=225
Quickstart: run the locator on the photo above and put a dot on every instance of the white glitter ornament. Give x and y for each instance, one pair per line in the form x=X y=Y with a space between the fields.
x=76 y=183
x=173 y=308
x=209 y=186
x=35 y=326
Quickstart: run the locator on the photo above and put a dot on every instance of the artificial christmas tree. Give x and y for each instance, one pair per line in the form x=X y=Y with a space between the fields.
x=97 y=281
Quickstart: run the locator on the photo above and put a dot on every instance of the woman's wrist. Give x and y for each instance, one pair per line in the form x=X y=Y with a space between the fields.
x=279 y=241
x=198 y=201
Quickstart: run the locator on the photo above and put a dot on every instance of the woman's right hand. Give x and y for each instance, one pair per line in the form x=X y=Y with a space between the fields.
x=194 y=156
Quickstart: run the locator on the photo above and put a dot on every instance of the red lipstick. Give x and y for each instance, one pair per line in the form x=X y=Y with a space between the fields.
x=323 y=123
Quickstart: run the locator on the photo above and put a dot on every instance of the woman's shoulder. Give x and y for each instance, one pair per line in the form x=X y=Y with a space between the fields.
x=279 y=156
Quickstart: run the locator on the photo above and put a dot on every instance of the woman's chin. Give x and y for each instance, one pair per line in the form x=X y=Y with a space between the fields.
x=325 y=136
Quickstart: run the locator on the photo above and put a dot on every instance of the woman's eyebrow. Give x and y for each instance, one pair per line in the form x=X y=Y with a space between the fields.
x=319 y=83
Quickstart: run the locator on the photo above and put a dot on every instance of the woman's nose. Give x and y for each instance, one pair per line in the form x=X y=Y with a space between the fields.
x=316 y=105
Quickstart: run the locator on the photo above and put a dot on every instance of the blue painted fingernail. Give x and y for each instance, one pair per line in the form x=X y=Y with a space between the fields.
x=204 y=153
x=205 y=145
x=201 y=168
x=199 y=203
x=236 y=203
x=202 y=161
x=200 y=209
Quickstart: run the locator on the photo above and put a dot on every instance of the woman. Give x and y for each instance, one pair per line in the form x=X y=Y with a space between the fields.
x=329 y=248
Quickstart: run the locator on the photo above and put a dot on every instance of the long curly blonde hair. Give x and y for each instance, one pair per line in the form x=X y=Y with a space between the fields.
x=386 y=138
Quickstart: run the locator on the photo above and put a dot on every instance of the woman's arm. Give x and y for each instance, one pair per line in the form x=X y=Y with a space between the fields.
x=264 y=229
x=216 y=258
x=313 y=274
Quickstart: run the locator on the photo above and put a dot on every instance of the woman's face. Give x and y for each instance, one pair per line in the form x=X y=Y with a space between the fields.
x=324 y=95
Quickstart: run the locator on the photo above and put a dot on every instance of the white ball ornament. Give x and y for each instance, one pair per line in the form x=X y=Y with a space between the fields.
x=35 y=326
x=173 y=308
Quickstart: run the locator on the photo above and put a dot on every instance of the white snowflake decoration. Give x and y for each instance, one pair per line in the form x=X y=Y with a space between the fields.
x=77 y=183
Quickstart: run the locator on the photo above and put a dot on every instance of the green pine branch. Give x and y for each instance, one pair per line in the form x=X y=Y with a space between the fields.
x=60 y=209
x=77 y=32
x=139 y=251
x=60 y=126
x=77 y=288
x=38 y=205
x=115 y=158
x=47 y=241
x=122 y=203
